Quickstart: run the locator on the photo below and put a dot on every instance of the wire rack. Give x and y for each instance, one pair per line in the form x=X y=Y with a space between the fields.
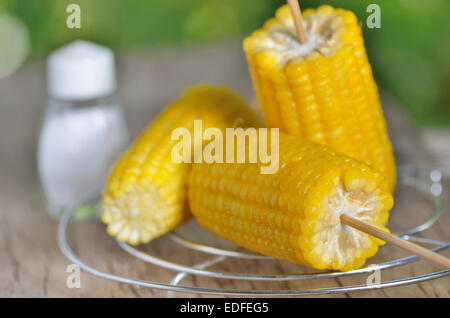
x=425 y=179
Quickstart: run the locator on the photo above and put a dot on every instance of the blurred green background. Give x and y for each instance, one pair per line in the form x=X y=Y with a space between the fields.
x=410 y=53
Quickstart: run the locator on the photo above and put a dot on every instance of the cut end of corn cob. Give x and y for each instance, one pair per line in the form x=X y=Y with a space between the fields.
x=140 y=215
x=145 y=195
x=294 y=215
x=333 y=245
x=327 y=30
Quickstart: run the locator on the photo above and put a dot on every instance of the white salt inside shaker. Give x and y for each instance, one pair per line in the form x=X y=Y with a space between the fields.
x=84 y=128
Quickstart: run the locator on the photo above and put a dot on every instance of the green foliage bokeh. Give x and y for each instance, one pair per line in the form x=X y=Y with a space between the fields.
x=410 y=53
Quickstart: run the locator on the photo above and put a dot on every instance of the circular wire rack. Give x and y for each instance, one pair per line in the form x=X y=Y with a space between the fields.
x=425 y=179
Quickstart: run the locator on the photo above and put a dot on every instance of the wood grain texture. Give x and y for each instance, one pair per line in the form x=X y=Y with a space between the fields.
x=31 y=263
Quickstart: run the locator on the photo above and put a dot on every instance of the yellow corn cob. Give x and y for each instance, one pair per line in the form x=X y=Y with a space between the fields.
x=294 y=214
x=144 y=195
x=322 y=90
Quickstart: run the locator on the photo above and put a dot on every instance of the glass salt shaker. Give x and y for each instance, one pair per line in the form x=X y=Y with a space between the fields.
x=84 y=129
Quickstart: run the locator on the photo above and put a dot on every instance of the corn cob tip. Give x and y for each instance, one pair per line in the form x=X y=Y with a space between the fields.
x=137 y=216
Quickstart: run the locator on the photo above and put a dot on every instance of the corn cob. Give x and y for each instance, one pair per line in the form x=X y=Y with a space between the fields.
x=145 y=195
x=322 y=90
x=294 y=214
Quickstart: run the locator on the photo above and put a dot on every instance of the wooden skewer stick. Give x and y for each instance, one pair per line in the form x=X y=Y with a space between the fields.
x=395 y=240
x=298 y=20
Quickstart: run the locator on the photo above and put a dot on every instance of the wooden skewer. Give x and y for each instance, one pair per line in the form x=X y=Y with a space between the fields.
x=395 y=240
x=298 y=20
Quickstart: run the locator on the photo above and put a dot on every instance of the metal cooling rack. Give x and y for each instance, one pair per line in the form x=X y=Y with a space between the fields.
x=423 y=178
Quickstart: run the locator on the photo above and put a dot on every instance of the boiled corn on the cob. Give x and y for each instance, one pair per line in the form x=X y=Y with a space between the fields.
x=322 y=90
x=294 y=214
x=145 y=195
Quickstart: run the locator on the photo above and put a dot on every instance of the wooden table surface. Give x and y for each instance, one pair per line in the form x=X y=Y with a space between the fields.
x=31 y=263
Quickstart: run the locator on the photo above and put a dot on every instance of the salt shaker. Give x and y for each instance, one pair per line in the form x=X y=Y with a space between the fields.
x=84 y=129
